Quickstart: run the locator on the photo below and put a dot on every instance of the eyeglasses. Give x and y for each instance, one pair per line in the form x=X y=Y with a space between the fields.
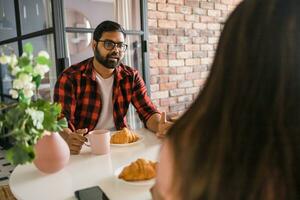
x=110 y=45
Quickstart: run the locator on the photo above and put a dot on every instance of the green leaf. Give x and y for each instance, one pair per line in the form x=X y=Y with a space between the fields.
x=37 y=79
x=20 y=154
x=43 y=61
x=28 y=48
x=28 y=68
x=24 y=61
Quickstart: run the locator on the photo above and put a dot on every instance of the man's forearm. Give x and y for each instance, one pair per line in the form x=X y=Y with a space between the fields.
x=153 y=121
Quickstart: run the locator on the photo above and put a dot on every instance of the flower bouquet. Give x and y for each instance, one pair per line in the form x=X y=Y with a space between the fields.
x=27 y=120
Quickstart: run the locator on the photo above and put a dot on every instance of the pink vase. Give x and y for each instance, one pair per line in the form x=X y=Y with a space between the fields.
x=51 y=153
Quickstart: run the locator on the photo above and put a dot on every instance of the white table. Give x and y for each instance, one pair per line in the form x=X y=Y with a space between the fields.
x=86 y=170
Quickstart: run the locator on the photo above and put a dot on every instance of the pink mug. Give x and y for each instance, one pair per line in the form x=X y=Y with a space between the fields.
x=99 y=141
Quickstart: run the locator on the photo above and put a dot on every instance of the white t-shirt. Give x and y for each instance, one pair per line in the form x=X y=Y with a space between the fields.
x=106 y=120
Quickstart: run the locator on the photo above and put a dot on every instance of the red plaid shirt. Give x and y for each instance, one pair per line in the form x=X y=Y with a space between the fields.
x=77 y=91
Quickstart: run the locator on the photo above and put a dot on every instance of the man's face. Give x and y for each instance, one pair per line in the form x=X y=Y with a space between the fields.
x=108 y=51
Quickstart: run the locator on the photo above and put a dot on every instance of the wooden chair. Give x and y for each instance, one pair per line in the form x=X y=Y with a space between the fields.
x=5 y=193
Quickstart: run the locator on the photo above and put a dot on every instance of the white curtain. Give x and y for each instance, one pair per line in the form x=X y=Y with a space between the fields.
x=127 y=14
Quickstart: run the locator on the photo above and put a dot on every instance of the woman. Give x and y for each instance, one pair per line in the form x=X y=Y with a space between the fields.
x=241 y=137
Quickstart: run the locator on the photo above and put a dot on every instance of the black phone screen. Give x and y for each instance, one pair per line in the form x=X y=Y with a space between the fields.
x=91 y=193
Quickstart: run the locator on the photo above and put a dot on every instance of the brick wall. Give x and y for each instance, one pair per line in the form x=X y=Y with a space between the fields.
x=183 y=36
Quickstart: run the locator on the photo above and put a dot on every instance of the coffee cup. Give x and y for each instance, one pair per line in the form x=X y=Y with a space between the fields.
x=99 y=141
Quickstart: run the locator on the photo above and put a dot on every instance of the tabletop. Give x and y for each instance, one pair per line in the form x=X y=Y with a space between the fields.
x=87 y=170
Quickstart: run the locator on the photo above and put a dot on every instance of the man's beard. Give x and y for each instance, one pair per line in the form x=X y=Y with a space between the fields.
x=107 y=62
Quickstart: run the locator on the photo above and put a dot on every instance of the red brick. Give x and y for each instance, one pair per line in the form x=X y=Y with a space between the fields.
x=168 y=86
x=177 y=107
x=164 y=70
x=168 y=101
x=192 y=18
x=184 y=24
x=177 y=92
x=200 y=54
x=191 y=32
x=206 y=61
x=213 y=26
x=180 y=2
x=207 y=19
x=175 y=16
x=151 y=6
x=166 y=23
x=175 y=47
x=184 y=54
x=220 y=6
x=192 y=47
x=152 y=23
x=192 y=3
x=175 y=63
x=157 y=15
x=192 y=90
x=207 y=5
x=167 y=39
x=153 y=39
x=207 y=47
x=214 y=13
x=158 y=1
x=154 y=71
x=184 y=70
x=193 y=76
x=192 y=61
x=158 y=63
x=169 y=55
x=199 y=11
x=185 y=98
x=185 y=84
x=201 y=26
x=183 y=9
x=159 y=94
x=178 y=77
x=166 y=7
x=183 y=40
x=213 y=40
x=153 y=55
x=230 y=2
x=163 y=79
x=199 y=82
x=177 y=32
x=199 y=40
x=154 y=88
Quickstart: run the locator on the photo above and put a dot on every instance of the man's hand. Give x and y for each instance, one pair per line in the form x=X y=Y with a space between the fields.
x=163 y=126
x=75 y=140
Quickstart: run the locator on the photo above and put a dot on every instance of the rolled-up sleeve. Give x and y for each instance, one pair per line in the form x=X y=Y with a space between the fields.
x=141 y=100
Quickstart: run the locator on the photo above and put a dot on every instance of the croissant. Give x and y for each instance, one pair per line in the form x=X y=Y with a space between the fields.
x=124 y=136
x=139 y=170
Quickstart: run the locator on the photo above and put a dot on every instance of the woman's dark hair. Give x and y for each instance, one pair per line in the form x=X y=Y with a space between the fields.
x=107 y=26
x=240 y=139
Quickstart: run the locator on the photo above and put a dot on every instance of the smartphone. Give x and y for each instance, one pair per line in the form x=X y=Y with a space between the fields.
x=91 y=193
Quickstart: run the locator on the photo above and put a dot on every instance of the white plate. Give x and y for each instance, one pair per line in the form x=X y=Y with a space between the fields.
x=135 y=183
x=129 y=144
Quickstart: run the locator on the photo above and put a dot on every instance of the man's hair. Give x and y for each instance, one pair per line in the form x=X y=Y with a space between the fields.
x=107 y=26
x=241 y=137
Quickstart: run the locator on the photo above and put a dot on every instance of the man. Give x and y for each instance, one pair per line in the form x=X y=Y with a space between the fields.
x=96 y=93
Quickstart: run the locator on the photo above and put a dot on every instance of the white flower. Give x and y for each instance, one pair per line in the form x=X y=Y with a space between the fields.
x=36 y=116
x=14 y=93
x=25 y=78
x=15 y=70
x=17 y=84
x=44 y=54
x=41 y=70
x=13 y=60
x=4 y=59
x=28 y=93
